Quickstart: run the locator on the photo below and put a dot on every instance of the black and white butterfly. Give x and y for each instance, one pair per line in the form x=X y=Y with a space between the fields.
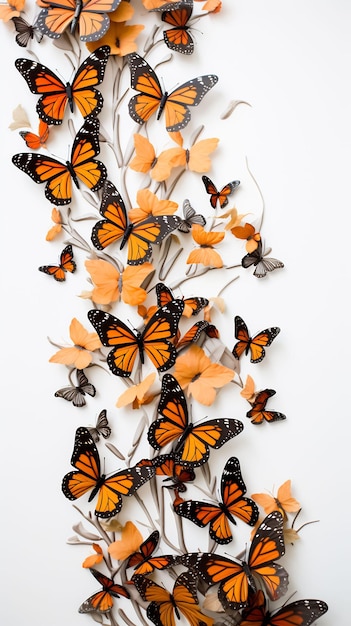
x=261 y=261
x=26 y=31
x=190 y=218
x=76 y=394
x=101 y=429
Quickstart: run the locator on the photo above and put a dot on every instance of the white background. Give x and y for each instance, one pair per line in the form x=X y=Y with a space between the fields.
x=291 y=62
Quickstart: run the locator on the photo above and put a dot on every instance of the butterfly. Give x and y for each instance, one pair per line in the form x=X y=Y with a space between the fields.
x=262 y=263
x=205 y=252
x=142 y=560
x=66 y=264
x=55 y=95
x=233 y=504
x=164 y=604
x=25 y=31
x=164 y=296
x=195 y=331
x=75 y=394
x=154 y=340
x=190 y=218
x=145 y=159
x=58 y=176
x=101 y=429
x=283 y=500
x=192 y=441
x=87 y=477
x=258 y=413
x=219 y=196
x=254 y=345
x=178 y=38
x=102 y=601
x=300 y=612
x=237 y=578
x=167 y=465
x=33 y=141
x=151 y=98
x=90 y=16
x=140 y=236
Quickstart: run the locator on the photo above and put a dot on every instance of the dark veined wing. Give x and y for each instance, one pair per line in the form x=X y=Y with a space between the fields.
x=192 y=442
x=67 y=264
x=233 y=504
x=140 y=237
x=89 y=16
x=255 y=345
x=35 y=141
x=219 y=196
x=58 y=176
x=299 y=613
x=87 y=477
x=56 y=95
x=151 y=97
x=235 y=579
x=177 y=15
x=262 y=263
x=143 y=560
x=193 y=334
x=25 y=31
x=75 y=394
x=153 y=340
x=190 y=218
x=102 y=601
x=102 y=428
x=177 y=474
x=165 y=295
x=259 y=413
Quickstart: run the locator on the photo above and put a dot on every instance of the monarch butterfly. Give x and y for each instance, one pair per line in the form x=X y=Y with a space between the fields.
x=153 y=340
x=33 y=141
x=67 y=264
x=193 y=442
x=89 y=15
x=236 y=578
x=219 y=196
x=25 y=31
x=143 y=561
x=190 y=218
x=139 y=236
x=87 y=477
x=151 y=98
x=164 y=604
x=283 y=501
x=168 y=465
x=262 y=263
x=301 y=612
x=75 y=394
x=102 y=601
x=101 y=429
x=177 y=15
x=55 y=95
x=233 y=504
x=164 y=296
x=57 y=176
x=192 y=335
x=255 y=345
x=258 y=413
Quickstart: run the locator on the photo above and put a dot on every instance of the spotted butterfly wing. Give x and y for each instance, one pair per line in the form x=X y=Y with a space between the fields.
x=102 y=600
x=25 y=31
x=178 y=37
x=190 y=218
x=255 y=346
x=219 y=196
x=152 y=99
x=300 y=612
x=67 y=264
x=76 y=394
x=143 y=560
x=87 y=478
x=234 y=504
x=56 y=95
x=178 y=475
x=259 y=413
x=154 y=340
x=261 y=262
x=165 y=295
x=58 y=176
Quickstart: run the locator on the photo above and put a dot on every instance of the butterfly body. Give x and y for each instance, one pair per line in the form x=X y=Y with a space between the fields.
x=255 y=346
x=90 y=17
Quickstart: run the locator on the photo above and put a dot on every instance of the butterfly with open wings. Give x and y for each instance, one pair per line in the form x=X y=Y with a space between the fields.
x=76 y=393
x=66 y=264
x=143 y=560
x=89 y=17
x=102 y=600
x=255 y=346
x=300 y=612
x=219 y=196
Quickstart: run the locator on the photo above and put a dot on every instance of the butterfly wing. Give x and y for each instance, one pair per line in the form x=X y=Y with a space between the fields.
x=67 y=264
x=176 y=104
x=258 y=413
x=114 y=224
x=143 y=79
x=194 y=447
x=84 y=385
x=231 y=576
x=233 y=489
x=102 y=600
x=204 y=513
x=114 y=333
x=262 y=264
x=174 y=411
x=163 y=294
x=33 y=141
x=167 y=465
x=141 y=235
x=86 y=461
x=25 y=31
x=91 y=73
x=190 y=218
x=159 y=331
x=45 y=169
x=102 y=428
x=220 y=196
x=71 y=394
x=91 y=16
x=85 y=148
x=178 y=38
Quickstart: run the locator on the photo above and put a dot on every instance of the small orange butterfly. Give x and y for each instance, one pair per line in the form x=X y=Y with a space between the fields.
x=33 y=141
x=102 y=601
x=67 y=264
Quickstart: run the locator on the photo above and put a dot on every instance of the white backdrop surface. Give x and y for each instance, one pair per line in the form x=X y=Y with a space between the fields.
x=291 y=62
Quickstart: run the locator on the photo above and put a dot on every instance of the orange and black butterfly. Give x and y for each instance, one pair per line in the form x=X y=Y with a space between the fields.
x=237 y=578
x=165 y=604
x=167 y=465
x=102 y=601
x=233 y=504
x=193 y=334
x=177 y=15
x=259 y=413
x=58 y=176
x=25 y=31
x=142 y=560
x=76 y=393
x=66 y=264
x=89 y=16
x=35 y=141
x=151 y=98
x=87 y=477
x=261 y=262
x=154 y=340
x=140 y=237
x=255 y=346
x=165 y=295
x=219 y=196
x=192 y=441
x=55 y=95
x=300 y=612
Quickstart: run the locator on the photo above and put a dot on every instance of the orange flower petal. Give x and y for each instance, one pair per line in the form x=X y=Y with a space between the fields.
x=130 y=542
